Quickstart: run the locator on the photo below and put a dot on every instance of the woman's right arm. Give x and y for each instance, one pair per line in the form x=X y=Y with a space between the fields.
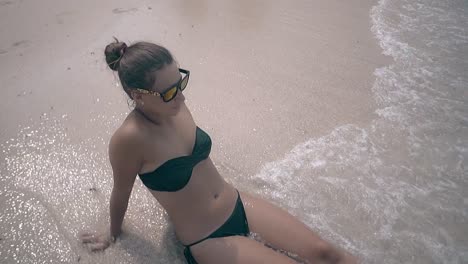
x=126 y=158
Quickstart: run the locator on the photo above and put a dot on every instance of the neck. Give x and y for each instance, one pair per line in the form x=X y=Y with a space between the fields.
x=153 y=119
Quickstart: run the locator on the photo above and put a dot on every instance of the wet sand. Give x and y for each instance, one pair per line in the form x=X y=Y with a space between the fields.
x=265 y=75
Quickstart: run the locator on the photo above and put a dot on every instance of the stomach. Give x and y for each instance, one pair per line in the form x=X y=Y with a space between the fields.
x=202 y=206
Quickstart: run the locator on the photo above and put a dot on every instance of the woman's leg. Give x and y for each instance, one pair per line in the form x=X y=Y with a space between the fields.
x=236 y=250
x=283 y=231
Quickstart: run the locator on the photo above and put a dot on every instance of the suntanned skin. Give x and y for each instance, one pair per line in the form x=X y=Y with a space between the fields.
x=159 y=131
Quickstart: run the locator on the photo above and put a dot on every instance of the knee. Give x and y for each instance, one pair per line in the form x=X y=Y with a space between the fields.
x=323 y=252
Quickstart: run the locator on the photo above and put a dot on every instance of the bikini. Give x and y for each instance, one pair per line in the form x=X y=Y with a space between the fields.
x=174 y=174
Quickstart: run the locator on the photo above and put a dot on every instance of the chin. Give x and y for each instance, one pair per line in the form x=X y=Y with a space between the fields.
x=175 y=111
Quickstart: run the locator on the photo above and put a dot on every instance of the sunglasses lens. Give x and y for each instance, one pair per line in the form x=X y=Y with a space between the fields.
x=170 y=94
x=183 y=83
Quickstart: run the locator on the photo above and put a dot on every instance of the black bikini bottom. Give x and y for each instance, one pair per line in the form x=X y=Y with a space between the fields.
x=235 y=225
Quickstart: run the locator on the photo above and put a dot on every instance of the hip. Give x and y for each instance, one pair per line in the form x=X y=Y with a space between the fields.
x=197 y=220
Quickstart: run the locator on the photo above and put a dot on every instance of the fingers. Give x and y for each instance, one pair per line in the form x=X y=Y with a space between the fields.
x=85 y=234
x=96 y=242
x=89 y=240
x=88 y=237
x=98 y=246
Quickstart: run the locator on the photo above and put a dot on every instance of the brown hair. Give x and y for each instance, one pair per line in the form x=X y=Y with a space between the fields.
x=137 y=63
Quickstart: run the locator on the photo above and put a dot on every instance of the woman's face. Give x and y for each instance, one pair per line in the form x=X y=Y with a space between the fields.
x=165 y=78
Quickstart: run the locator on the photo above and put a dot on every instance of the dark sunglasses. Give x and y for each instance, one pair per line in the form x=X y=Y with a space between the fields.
x=171 y=92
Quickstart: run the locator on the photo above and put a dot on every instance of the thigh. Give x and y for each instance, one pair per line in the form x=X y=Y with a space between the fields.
x=236 y=250
x=281 y=230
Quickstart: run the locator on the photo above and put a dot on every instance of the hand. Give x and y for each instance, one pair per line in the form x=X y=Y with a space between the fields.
x=97 y=242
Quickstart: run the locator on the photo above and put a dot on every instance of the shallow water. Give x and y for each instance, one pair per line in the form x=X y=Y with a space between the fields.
x=395 y=191
x=392 y=191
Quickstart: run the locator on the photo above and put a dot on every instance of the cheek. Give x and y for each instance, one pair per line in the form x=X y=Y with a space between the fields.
x=152 y=102
x=162 y=106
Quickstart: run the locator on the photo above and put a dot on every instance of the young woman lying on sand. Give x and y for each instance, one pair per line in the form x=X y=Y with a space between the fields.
x=160 y=142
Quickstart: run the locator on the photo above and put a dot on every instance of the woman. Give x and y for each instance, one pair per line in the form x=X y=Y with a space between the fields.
x=160 y=142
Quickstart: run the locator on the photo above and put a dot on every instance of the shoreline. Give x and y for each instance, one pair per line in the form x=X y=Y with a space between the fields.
x=266 y=76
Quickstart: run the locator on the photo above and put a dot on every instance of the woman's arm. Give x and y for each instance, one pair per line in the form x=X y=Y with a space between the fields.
x=117 y=208
x=126 y=158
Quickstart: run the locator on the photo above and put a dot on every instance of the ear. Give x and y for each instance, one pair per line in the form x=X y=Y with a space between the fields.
x=136 y=96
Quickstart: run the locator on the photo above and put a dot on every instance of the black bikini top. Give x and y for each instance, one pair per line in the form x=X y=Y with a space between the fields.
x=175 y=173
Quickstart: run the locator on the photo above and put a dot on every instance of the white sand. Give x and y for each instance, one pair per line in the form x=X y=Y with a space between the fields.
x=265 y=75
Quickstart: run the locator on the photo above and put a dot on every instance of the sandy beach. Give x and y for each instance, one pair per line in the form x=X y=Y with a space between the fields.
x=289 y=71
x=266 y=76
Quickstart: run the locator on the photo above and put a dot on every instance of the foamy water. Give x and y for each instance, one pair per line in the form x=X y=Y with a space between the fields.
x=394 y=191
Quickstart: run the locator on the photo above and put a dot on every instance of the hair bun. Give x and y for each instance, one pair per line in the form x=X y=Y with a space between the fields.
x=114 y=52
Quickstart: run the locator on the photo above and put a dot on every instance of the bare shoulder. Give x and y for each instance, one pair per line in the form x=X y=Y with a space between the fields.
x=125 y=156
x=126 y=144
x=126 y=137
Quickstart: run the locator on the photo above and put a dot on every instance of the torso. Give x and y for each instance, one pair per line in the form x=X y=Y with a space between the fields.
x=207 y=200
